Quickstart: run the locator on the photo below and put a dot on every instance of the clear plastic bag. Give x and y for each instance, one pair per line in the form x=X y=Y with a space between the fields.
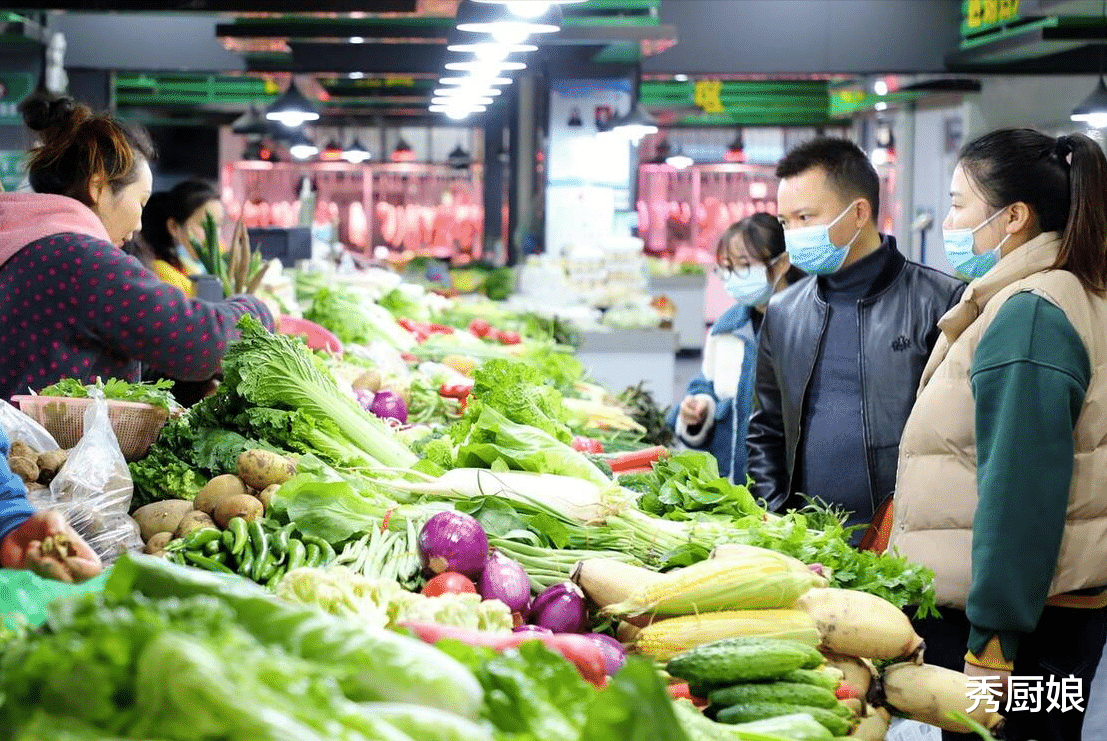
x=93 y=489
x=21 y=428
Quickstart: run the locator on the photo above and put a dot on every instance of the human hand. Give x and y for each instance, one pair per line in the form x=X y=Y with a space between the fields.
x=48 y=546
x=999 y=688
x=692 y=411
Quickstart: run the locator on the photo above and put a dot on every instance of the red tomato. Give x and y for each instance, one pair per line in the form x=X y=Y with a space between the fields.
x=449 y=582
x=509 y=338
x=480 y=328
x=847 y=691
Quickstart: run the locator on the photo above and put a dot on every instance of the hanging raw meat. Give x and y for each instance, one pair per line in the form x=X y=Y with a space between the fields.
x=321 y=215
x=736 y=212
x=358 y=226
x=234 y=211
x=332 y=211
x=411 y=239
x=251 y=215
x=426 y=225
x=443 y=231
x=265 y=214
x=643 y=217
x=401 y=226
x=386 y=217
x=685 y=213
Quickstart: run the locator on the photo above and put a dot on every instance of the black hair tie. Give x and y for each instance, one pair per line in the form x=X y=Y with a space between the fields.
x=1063 y=148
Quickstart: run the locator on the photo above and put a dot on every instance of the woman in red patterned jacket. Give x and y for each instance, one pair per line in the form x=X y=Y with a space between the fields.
x=72 y=303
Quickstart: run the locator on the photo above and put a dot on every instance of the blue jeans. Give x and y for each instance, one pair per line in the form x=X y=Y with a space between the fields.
x=1095 y=719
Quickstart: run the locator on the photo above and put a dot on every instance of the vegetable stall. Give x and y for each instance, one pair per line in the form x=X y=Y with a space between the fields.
x=444 y=530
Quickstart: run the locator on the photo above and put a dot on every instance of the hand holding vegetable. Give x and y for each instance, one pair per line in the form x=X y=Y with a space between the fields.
x=47 y=545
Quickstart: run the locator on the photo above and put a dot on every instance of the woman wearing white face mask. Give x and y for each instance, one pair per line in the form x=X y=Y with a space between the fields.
x=714 y=415
x=1003 y=461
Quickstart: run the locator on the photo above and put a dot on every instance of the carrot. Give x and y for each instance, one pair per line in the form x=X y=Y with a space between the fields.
x=636 y=458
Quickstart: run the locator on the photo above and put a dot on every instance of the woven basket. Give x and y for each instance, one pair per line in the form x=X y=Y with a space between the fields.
x=136 y=425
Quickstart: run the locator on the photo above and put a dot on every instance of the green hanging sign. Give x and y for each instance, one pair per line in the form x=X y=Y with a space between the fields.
x=14 y=87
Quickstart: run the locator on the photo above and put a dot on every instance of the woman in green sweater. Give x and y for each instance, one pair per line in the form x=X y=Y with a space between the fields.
x=1003 y=461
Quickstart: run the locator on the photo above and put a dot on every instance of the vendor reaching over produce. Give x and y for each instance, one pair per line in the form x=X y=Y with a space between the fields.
x=714 y=414
x=72 y=303
x=1000 y=483
x=41 y=541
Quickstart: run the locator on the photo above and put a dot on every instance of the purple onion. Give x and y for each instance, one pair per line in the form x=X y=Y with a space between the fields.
x=453 y=541
x=389 y=405
x=533 y=629
x=560 y=608
x=614 y=654
x=507 y=581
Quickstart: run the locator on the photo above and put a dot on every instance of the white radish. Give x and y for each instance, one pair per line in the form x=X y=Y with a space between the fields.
x=873 y=725
x=857 y=673
x=860 y=624
x=930 y=693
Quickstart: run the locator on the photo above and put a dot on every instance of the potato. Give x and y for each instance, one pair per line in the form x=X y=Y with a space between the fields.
x=161 y=517
x=49 y=463
x=193 y=520
x=261 y=468
x=22 y=449
x=243 y=505
x=156 y=544
x=266 y=495
x=216 y=490
x=25 y=468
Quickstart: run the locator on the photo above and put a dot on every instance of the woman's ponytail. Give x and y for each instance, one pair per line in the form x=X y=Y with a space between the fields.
x=1083 y=250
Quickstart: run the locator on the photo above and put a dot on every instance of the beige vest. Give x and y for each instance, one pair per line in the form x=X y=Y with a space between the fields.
x=936 y=479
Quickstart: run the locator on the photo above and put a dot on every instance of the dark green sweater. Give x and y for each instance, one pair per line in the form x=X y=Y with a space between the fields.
x=1029 y=377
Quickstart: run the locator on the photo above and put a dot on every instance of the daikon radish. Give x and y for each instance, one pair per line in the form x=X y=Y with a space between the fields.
x=860 y=624
x=858 y=673
x=930 y=693
x=606 y=581
x=873 y=725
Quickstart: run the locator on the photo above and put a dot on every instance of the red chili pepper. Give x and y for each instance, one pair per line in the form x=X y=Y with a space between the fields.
x=455 y=391
x=386 y=520
x=440 y=329
x=587 y=444
x=509 y=338
x=480 y=328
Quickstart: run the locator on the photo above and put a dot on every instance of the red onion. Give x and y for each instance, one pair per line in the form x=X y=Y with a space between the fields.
x=614 y=654
x=389 y=405
x=505 y=580
x=560 y=608
x=453 y=541
x=533 y=629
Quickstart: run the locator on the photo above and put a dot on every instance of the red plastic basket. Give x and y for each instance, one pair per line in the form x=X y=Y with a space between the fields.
x=318 y=338
x=135 y=425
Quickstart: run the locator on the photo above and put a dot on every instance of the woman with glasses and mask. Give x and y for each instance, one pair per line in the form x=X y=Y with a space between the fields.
x=714 y=415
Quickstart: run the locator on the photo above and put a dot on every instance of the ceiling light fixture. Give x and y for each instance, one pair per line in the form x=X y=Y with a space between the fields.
x=491 y=51
x=301 y=147
x=462 y=91
x=470 y=80
x=357 y=39
x=680 y=160
x=1092 y=111
x=736 y=152
x=292 y=108
x=635 y=124
x=880 y=87
x=332 y=152
x=502 y=22
x=356 y=75
x=459 y=159
x=461 y=100
x=485 y=68
x=356 y=153
x=680 y=78
x=403 y=152
x=251 y=123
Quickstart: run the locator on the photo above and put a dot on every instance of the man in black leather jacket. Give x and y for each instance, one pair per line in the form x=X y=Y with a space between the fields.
x=840 y=352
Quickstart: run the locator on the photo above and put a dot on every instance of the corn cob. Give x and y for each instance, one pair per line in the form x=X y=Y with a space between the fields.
x=758 y=579
x=666 y=638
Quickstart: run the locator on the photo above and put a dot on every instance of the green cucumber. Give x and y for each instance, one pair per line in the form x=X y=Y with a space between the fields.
x=817 y=677
x=745 y=659
x=831 y=721
x=786 y=693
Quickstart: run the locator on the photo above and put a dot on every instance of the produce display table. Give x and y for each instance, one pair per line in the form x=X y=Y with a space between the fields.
x=626 y=357
x=687 y=292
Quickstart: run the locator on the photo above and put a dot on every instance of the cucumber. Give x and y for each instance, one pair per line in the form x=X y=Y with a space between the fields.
x=818 y=677
x=796 y=726
x=832 y=722
x=745 y=659
x=786 y=693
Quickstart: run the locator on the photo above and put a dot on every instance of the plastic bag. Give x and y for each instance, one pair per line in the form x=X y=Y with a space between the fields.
x=21 y=428
x=93 y=489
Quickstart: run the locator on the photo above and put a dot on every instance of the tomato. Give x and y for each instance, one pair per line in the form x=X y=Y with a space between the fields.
x=587 y=444
x=847 y=691
x=509 y=338
x=480 y=328
x=449 y=582
x=454 y=391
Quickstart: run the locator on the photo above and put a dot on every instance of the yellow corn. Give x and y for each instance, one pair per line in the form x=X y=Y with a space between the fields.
x=755 y=579
x=664 y=639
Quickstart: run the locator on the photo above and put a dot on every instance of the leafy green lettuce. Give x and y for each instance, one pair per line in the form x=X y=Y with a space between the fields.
x=689 y=482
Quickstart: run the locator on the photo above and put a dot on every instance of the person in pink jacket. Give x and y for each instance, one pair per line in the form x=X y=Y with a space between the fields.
x=73 y=304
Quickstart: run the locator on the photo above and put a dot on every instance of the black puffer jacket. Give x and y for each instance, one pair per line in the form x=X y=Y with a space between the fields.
x=898 y=323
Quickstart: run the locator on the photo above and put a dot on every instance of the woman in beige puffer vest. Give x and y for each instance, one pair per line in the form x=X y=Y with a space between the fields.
x=1003 y=462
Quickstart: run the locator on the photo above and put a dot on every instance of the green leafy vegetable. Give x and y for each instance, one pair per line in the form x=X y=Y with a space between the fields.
x=162 y=475
x=354 y=320
x=640 y=405
x=521 y=394
x=689 y=482
x=158 y=393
